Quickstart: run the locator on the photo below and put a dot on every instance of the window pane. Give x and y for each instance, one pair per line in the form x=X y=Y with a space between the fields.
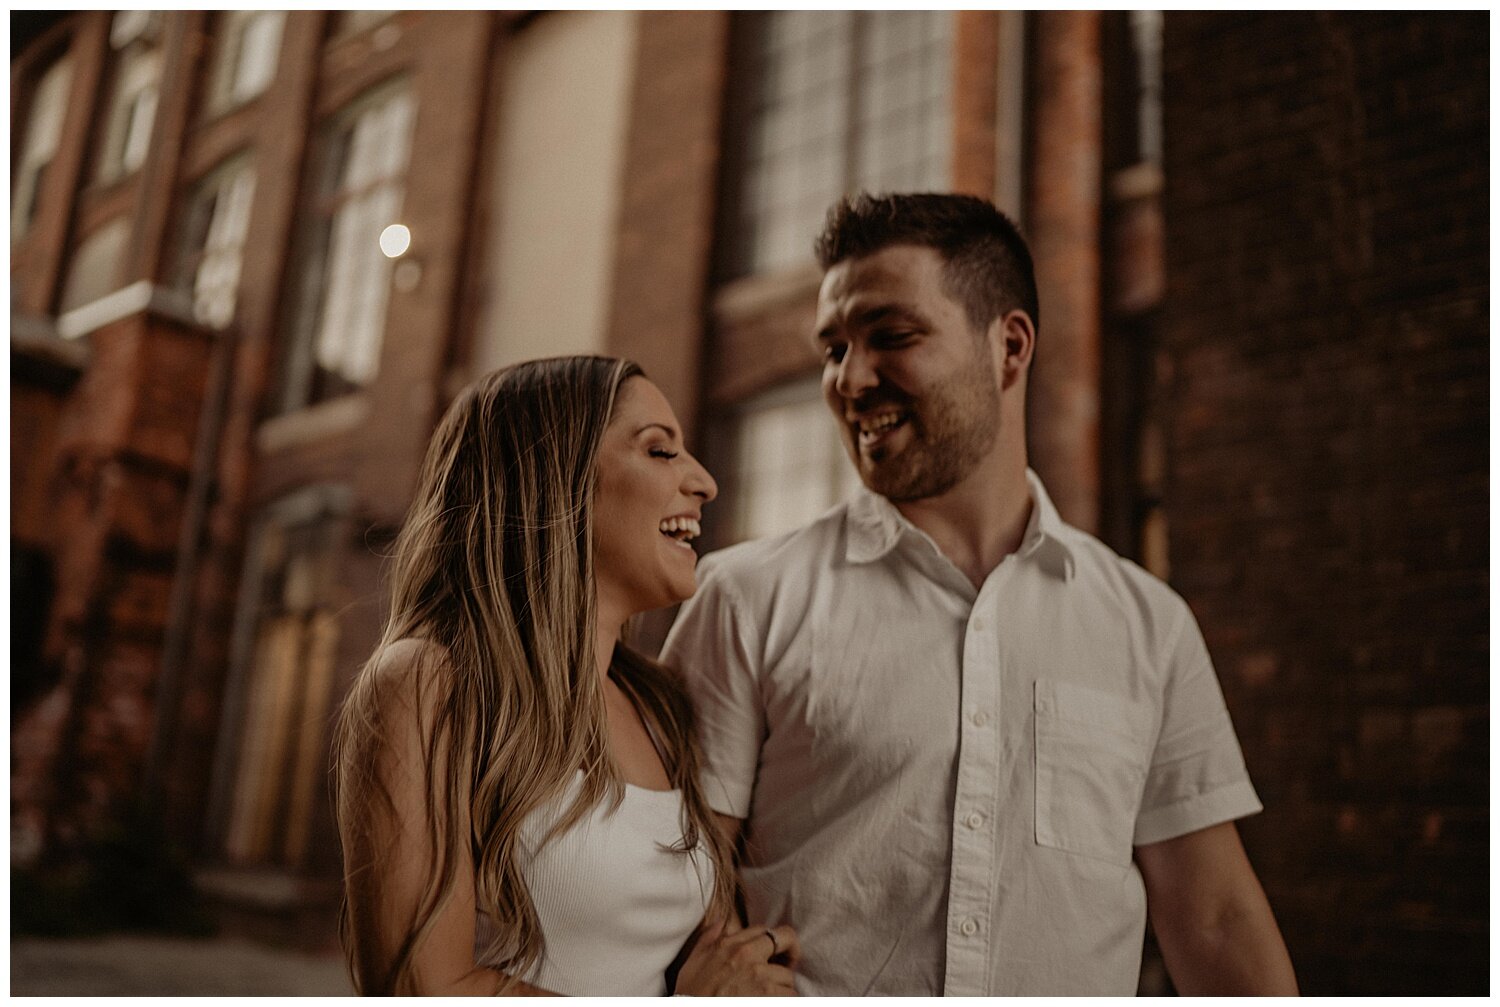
x=218 y=220
x=255 y=58
x=282 y=746
x=138 y=129
x=132 y=111
x=826 y=103
x=43 y=129
x=791 y=465
x=94 y=270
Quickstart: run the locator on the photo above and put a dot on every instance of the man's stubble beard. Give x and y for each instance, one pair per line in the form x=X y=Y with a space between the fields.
x=951 y=431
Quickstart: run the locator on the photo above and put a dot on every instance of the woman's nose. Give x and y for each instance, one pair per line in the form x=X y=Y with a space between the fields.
x=699 y=483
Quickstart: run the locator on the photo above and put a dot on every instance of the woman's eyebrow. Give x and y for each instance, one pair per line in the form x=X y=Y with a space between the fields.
x=669 y=431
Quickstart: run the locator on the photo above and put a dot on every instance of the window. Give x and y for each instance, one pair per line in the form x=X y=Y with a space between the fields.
x=218 y=217
x=39 y=145
x=829 y=102
x=356 y=191
x=1146 y=33
x=790 y=465
x=283 y=695
x=245 y=64
x=96 y=265
x=134 y=90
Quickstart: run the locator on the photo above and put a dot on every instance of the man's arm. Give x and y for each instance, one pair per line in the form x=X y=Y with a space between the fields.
x=1211 y=916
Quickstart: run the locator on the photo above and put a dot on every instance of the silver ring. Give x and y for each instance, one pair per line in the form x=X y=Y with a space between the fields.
x=775 y=945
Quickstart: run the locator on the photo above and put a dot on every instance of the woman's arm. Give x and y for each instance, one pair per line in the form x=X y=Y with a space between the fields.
x=388 y=850
x=739 y=962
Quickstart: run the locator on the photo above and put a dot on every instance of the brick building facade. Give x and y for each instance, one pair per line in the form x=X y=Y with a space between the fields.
x=1326 y=324
x=221 y=391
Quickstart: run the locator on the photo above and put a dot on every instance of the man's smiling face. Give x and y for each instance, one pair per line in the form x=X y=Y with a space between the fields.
x=913 y=386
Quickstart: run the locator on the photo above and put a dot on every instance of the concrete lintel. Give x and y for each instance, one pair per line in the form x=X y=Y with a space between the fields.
x=141 y=296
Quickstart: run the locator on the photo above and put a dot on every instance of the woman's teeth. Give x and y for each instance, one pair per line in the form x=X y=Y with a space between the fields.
x=681 y=530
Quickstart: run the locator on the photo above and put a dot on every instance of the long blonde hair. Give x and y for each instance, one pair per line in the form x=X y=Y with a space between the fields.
x=495 y=566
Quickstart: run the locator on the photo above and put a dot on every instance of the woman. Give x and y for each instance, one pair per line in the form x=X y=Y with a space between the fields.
x=517 y=791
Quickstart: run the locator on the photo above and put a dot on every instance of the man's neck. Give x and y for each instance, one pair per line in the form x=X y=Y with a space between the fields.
x=980 y=521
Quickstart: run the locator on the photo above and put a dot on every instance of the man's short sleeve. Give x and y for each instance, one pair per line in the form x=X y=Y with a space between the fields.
x=716 y=649
x=1197 y=776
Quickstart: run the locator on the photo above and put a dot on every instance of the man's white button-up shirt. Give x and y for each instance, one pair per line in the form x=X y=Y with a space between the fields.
x=942 y=786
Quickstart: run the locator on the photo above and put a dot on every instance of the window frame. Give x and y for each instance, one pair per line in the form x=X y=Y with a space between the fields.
x=755 y=39
x=232 y=29
x=193 y=253
x=301 y=383
x=328 y=508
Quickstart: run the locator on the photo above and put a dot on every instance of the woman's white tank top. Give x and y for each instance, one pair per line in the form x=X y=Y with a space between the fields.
x=616 y=902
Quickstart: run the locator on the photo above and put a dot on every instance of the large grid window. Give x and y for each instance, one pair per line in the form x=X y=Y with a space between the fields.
x=284 y=689
x=213 y=245
x=790 y=465
x=339 y=311
x=826 y=103
x=49 y=102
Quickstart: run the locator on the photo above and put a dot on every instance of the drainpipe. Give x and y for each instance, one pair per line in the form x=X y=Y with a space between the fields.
x=184 y=584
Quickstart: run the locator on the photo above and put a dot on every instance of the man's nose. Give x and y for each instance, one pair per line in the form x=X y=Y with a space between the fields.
x=856 y=373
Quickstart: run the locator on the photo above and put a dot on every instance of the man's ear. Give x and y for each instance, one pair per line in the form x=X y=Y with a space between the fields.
x=1014 y=338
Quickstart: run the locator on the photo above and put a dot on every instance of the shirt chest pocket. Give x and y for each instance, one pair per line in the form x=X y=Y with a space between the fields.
x=1092 y=749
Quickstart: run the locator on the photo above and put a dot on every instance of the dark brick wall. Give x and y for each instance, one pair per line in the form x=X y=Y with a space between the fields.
x=1326 y=340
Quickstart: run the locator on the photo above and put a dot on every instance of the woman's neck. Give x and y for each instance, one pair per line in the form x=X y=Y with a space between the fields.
x=606 y=635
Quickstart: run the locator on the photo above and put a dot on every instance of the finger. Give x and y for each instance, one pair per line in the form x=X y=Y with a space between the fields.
x=749 y=935
x=757 y=947
x=778 y=981
x=777 y=975
x=787 y=943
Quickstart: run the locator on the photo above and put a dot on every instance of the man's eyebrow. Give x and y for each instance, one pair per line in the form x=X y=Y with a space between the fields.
x=874 y=315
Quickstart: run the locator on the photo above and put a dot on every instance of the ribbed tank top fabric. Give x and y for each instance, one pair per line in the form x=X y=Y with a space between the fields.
x=615 y=901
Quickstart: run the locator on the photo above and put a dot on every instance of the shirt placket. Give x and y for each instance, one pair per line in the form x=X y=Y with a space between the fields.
x=972 y=875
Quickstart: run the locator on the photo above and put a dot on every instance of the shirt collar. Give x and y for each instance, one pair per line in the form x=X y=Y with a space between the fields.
x=876 y=526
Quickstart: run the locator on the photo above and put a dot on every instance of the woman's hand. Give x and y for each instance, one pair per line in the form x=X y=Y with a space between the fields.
x=740 y=963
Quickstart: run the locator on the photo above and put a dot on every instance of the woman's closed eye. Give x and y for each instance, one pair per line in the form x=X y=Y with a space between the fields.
x=662 y=453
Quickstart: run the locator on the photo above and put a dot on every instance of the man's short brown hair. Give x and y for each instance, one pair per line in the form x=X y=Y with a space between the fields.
x=986 y=264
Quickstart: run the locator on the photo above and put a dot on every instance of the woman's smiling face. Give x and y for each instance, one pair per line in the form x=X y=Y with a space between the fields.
x=647 y=508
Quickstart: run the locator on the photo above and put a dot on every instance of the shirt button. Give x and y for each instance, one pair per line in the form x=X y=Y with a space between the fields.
x=978 y=625
x=980 y=718
x=969 y=927
x=975 y=820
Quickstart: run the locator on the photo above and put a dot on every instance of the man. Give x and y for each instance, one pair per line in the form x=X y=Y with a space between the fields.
x=969 y=747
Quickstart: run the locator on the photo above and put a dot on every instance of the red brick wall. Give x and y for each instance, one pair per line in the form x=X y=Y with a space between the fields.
x=1064 y=169
x=1326 y=327
x=660 y=281
x=122 y=452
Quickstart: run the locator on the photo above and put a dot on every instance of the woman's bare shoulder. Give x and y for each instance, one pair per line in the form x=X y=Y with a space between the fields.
x=404 y=656
x=405 y=671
